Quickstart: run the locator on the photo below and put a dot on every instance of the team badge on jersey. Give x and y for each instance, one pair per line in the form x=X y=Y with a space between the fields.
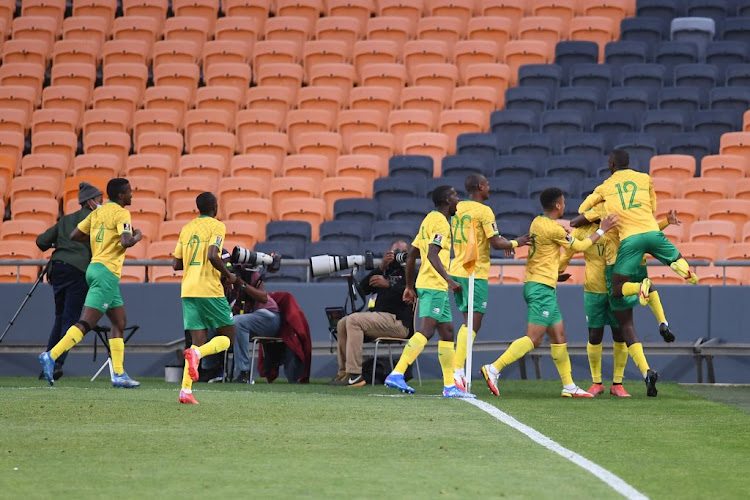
x=126 y=227
x=494 y=227
x=438 y=239
x=218 y=241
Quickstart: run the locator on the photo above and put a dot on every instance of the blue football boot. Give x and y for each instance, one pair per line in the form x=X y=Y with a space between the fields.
x=122 y=380
x=396 y=381
x=48 y=367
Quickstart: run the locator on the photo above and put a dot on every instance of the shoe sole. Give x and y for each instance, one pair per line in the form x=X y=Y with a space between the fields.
x=651 y=384
x=493 y=390
x=361 y=383
x=626 y=395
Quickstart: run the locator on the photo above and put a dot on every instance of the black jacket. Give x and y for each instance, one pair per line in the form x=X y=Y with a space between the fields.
x=390 y=299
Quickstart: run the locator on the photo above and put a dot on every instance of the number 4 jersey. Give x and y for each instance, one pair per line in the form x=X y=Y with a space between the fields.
x=104 y=227
x=199 y=277
x=630 y=195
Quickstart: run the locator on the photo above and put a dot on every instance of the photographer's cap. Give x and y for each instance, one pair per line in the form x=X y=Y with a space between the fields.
x=86 y=192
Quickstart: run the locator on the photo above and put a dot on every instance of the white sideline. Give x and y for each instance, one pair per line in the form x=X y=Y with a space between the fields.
x=610 y=479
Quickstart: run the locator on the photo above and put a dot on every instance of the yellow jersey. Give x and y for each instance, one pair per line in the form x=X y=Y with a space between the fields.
x=199 y=277
x=593 y=280
x=631 y=196
x=104 y=227
x=543 y=261
x=485 y=228
x=434 y=230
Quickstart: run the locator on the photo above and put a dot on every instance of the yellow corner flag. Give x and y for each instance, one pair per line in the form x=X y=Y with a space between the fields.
x=470 y=256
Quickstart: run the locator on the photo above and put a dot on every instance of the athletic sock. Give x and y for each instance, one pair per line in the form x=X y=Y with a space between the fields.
x=631 y=288
x=445 y=356
x=656 y=307
x=518 y=349
x=562 y=362
x=71 y=338
x=411 y=351
x=636 y=352
x=117 y=350
x=460 y=358
x=594 y=352
x=187 y=382
x=620 y=355
x=215 y=345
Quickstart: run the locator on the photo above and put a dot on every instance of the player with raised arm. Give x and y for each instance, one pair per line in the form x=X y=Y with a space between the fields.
x=433 y=244
x=473 y=214
x=109 y=233
x=540 y=294
x=204 y=305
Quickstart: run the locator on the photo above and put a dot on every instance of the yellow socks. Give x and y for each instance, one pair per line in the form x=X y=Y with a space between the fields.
x=518 y=349
x=71 y=338
x=656 y=307
x=630 y=288
x=117 y=349
x=562 y=362
x=636 y=352
x=460 y=357
x=445 y=356
x=215 y=345
x=411 y=351
x=187 y=382
x=595 y=361
x=620 y=356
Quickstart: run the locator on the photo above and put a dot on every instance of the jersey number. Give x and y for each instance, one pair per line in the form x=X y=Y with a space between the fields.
x=624 y=190
x=194 y=242
x=100 y=235
x=460 y=226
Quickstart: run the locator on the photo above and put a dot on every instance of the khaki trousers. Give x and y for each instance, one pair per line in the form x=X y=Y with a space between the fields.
x=355 y=329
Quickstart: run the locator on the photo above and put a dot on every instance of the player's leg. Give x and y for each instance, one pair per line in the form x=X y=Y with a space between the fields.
x=445 y=356
x=117 y=347
x=620 y=357
x=479 y=308
x=594 y=306
x=624 y=277
x=654 y=302
x=635 y=349
x=663 y=250
x=559 y=351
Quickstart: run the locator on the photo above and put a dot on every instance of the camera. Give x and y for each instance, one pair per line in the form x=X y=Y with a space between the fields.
x=400 y=256
x=323 y=265
x=256 y=259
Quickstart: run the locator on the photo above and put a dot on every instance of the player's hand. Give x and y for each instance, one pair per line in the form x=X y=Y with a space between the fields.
x=409 y=295
x=455 y=287
x=562 y=277
x=137 y=234
x=525 y=240
x=232 y=279
x=672 y=218
x=379 y=281
x=509 y=253
x=387 y=259
x=609 y=222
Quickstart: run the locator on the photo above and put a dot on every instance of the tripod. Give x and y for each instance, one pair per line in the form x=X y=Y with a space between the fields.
x=102 y=334
x=25 y=300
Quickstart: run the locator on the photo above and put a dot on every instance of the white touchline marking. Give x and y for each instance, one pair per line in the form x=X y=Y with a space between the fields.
x=610 y=479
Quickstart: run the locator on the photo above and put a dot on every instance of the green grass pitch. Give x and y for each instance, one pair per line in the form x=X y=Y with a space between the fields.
x=85 y=439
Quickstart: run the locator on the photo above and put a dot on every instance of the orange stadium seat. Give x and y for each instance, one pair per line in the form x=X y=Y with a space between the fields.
x=300 y=121
x=73 y=74
x=730 y=167
x=394 y=28
x=206 y=120
x=454 y=122
x=737 y=251
x=270 y=143
x=7 y=10
x=104 y=9
x=175 y=52
x=88 y=30
x=133 y=274
x=19 y=250
x=256 y=166
x=136 y=251
x=218 y=143
x=664 y=187
x=114 y=143
x=406 y=121
x=33 y=187
x=716 y=232
x=121 y=51
x=70 y=189
x=433 y=144
x=380 y=144
x=564 y=10
x=134 y=76
x=146 y=121
x=482 y=99
x=15 y=120
x=736 y=143
x=308 y=9
x=54 y=166
x=310 y=210
x=169 y=230
x=35 y=28
x=12 y=145
x=168 y=97
x=440 y=75
x=202 y=9
x=23 y=75
x=154 y=9
x=258 y=120
x=410 y=10
x=226 y=99
x=674 y=233
x=165 y=143
x=416 y=52
x=8 y=167
x=270 y=97
x=339 y=188
x=104 y=120
x=242 y=29
x=313 y=166
x=594 y=29
x=679 y=167
x=98 y=164
x=720 y=276
x=145 y=29
x=54 y=9
x=352 y=121
x=615 y=10
x=381 y=99
x=328 y=144
x=162 y=250
x=468 y=52
x=498 y=30
x=543 y=28
x=292 y=187
x=705 y=189
x=185 y=189
x=367 y=167
x=242 y=187
x=321 y=52
x=26 y=51
x=185 y=209
x=296 y=29
x=225 y=51
x=513 y=9
x=258 y=210
x=61 y=143
x=663 y=275
x=736 y=211
x=520 y=52
x=23 y=230
x=43 y=209
x=114 y=97
x=235 y=75
x=20 y=98
x=325 y=98
x=343 y=29
x=182 y=75
x=358 y=9
x=342 y=76
x=208 y=168
x=445 y=29
x=73 y=51
x=281 y=75
x=497 y=76
x=741 y=189
x=701 y=251
x=158 y=166
x=149 y=187
x=512 y=274
x=688 y=211
x=366 y=52
x=241 y=233
x=458 y=9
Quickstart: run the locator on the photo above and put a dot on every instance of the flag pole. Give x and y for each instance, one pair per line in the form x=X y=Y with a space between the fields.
x=470 y=332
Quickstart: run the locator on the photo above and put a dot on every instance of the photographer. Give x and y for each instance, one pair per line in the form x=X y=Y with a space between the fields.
x=256 y=314
x=390 y=317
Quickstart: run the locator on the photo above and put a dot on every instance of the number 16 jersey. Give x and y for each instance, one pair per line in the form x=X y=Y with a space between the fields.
x=199 y=277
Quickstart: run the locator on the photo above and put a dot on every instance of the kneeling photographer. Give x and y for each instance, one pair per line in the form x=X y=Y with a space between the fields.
x=390 y=317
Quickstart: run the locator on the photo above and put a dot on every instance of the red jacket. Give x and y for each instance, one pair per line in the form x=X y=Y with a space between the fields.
x=295 y=332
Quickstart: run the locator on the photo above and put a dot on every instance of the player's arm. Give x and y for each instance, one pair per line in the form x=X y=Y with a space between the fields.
x=576 y=245
x=591 y=200
x=433 y=255
x=82 y=230
x=499 y=243
x=671 y=218
x=585 y=218
x=177 y=263
x=214 y=257
x=411 y=263
x=128 y=236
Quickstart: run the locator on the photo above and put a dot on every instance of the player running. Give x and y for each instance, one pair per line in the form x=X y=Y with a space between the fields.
x=433 y=244
x=597 y=304
x=474 y=215
x=204 y=304
x=108 y=230
x=539 y=291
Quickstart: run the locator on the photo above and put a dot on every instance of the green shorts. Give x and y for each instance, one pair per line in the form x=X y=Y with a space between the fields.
x=202 y=313
x=623 y=303
x=104 y=288
x=480 y=295
x=541 y=304
x=434 y=304
x=598 y=311
x=633 y=248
